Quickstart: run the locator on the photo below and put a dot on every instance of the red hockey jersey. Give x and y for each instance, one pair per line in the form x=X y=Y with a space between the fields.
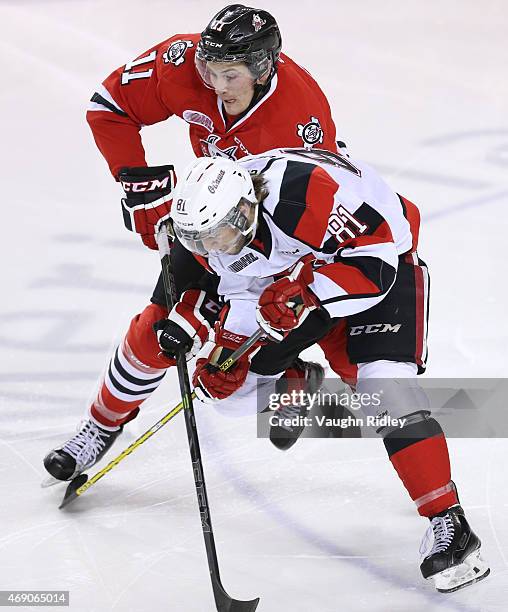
x=164 y=81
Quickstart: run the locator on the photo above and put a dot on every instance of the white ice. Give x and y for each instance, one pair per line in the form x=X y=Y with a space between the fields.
x=419 y=90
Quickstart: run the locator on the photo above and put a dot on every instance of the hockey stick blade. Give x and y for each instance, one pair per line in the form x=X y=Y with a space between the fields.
x=70 y=492
x=225 y=603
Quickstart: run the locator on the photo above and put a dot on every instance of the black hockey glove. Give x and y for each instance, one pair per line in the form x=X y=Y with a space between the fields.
x=147 y=199
x=188 y=324
x=172 y=339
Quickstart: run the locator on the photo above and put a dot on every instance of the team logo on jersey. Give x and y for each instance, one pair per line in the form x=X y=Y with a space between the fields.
x=311 y=133
x=176 y=52
x=257 y=22
x=211 y=149
x=192 y=116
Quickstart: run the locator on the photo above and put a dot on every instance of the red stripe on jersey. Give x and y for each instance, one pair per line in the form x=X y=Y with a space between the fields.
x=319 y=201
x=204 y=262
x=349 y=278
x=412 y=214
x=381 y=235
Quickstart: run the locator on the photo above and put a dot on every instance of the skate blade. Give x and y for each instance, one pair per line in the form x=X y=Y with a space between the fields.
x=50 y=482
x=473 y=569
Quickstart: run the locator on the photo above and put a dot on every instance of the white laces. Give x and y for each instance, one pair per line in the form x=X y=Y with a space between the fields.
x=87 y=443
x=288 y=412
x=438 y=536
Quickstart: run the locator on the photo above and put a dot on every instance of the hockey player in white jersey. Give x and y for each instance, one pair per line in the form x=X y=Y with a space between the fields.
x=300 y=239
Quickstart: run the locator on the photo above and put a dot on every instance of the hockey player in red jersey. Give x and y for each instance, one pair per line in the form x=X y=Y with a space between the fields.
x=297 y=239
x=233 y=108
x=237 y=92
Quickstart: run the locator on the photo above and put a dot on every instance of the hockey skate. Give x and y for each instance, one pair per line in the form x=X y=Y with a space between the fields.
x=283 y=434
x=453 y=560
x=80 y=452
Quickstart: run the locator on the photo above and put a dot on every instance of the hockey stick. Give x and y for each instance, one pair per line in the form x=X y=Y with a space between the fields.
x=80 y=484
x=223 y=601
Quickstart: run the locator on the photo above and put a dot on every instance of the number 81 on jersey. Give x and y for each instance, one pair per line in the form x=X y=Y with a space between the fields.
x=343 y=226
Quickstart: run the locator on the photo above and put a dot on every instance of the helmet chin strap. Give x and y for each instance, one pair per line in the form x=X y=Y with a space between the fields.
x=259 y=92
x=260 y=89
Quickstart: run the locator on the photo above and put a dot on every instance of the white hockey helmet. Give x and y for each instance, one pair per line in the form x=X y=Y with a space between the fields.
x=214 y=207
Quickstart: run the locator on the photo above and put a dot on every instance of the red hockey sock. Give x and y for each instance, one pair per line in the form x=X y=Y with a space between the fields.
x=419 y=454
x=135 y=371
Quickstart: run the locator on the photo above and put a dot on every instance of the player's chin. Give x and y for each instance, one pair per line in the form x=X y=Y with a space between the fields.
x=233 y=107
x=235 y=249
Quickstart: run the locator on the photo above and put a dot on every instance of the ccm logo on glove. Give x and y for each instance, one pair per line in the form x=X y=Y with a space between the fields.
x=146 y=185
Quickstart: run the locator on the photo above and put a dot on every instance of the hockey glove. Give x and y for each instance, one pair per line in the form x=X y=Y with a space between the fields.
x=210 y=383
x=285 y=304
x=147 y=199
x=188 y=324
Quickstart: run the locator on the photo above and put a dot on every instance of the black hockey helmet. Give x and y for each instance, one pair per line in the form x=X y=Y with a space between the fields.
x=240 y=33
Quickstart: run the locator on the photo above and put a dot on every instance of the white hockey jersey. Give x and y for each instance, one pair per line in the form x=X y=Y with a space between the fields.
x=336 y=208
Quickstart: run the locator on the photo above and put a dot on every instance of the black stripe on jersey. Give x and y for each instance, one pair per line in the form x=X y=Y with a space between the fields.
x=330 y=246
x=373 y=268
x=98 y=99
x=368 y=216
x=140 y=382
x=385 y=275
x=293 y=190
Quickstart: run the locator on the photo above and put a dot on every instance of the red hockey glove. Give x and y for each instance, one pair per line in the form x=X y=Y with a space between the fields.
x=147 y=199
x=188 y=324
x=210 y=383
x=285 y=304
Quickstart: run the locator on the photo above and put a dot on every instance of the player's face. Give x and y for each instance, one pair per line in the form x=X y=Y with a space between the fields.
x=233 y=83
x=228 y=239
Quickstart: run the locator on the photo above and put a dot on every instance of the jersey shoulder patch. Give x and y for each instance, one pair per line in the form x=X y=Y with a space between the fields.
x=175 y=53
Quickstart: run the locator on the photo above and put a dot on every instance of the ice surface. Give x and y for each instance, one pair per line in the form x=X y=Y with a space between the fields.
x=419 y=90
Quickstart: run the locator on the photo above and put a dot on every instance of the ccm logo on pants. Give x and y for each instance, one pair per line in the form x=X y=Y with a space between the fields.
x=374 y=328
